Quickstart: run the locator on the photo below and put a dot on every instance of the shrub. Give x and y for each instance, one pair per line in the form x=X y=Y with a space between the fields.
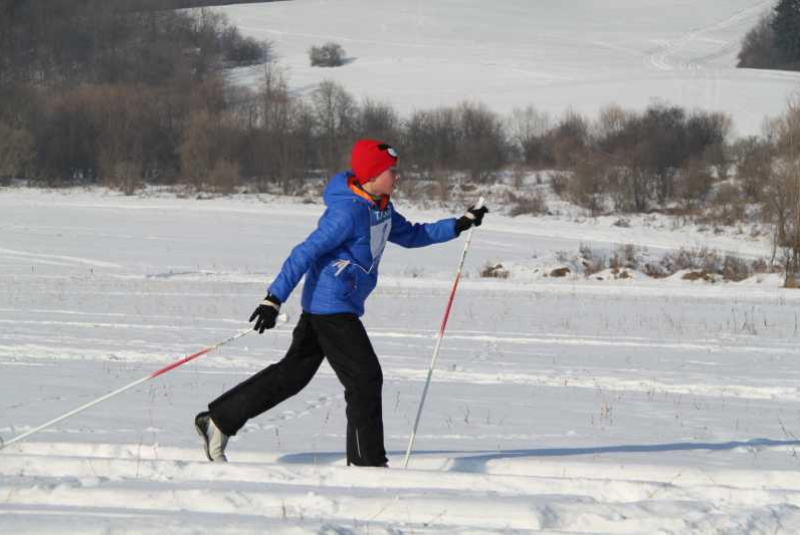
x=67 y=140
x=626 y=256
x=224 y=177
x=568 y=140
x=727 y=207
x=496 y=271
x=698 y=275
x=754 y=159
x=431 y=140
x=783 y=195
x=197 y=147
x=527 y=128
x=702 y=263
x=760 y=266
x=441 y=189
x=643 y=154
x=127 y=176
x=655 y=270
x=468 y=137
x=705 y=263
x=559 y=181
x=482 y=148
x=592 y=263
x=587 y=185
x=16 y=151
x=527 y=204
x=694 y=183
x=735 y=269
x=244 y=51
x=328 y=55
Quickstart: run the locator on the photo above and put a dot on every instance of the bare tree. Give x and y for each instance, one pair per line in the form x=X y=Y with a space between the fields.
x=784 y=192
x=16 y=151
x=285 y=144
x=527 y=129
x=336 y=113
x=568 y=141
x=753 y=158
x=759 y=48
x=612 y=121
x=379 y=120
x=431 y=140
x=197 y=149
x=694 y=183
x=587 y=185
x=482 y=146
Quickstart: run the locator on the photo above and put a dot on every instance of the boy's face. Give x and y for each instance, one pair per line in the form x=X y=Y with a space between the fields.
x=384 y=183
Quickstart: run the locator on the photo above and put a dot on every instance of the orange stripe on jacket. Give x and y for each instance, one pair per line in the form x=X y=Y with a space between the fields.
x=353 y=184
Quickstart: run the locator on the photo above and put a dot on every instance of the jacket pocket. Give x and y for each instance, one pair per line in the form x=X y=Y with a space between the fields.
x=345 y=278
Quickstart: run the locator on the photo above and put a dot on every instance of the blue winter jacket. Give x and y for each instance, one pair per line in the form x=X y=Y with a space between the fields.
x=340 y=258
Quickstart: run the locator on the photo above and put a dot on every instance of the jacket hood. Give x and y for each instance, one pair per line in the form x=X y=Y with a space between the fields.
x=339 y=189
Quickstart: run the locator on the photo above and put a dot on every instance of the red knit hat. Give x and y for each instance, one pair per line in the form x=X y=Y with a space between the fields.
x=370 y=158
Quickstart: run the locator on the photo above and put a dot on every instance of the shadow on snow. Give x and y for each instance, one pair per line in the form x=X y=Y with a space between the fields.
x=465 y=461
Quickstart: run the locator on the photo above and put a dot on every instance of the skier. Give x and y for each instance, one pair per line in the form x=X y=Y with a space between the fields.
x=340 y=263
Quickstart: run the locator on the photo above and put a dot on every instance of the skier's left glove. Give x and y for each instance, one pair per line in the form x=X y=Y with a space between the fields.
x=266 y=314
x=474 y=216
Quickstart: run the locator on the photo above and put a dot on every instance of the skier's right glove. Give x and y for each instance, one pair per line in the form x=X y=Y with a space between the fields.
x=266 y=314
x=474 y=216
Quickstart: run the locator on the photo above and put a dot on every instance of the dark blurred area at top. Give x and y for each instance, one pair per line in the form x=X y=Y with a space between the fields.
x=46 y=42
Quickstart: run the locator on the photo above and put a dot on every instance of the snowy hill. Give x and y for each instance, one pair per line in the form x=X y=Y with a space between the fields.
x=553 y=54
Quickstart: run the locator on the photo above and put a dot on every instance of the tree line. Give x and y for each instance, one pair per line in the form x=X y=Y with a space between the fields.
x=774 y=42
x=91 y=93
x=95 y=91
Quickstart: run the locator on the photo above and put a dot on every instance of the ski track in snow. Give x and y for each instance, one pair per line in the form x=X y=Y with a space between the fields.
x=562 y=406
x=488 y=492
x=56 y=260
x=661 y=59
x=21 y=354
x=572 y=497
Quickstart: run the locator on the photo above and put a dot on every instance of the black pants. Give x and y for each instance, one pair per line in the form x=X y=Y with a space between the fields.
x=344 y=341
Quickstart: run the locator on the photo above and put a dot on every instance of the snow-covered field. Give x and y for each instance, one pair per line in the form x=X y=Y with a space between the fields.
x=553 y=54
x=566 y=405
x=560 y=405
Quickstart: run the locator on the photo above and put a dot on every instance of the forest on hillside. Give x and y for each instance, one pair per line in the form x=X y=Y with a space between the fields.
x=774 y=43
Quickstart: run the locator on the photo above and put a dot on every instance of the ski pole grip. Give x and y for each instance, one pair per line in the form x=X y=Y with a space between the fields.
x=480 y=202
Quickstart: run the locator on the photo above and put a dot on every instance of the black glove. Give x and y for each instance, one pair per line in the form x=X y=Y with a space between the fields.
x=266 y=314
x=474 y=216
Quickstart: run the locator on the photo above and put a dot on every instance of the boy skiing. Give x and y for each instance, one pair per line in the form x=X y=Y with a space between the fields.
x=340 y=263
